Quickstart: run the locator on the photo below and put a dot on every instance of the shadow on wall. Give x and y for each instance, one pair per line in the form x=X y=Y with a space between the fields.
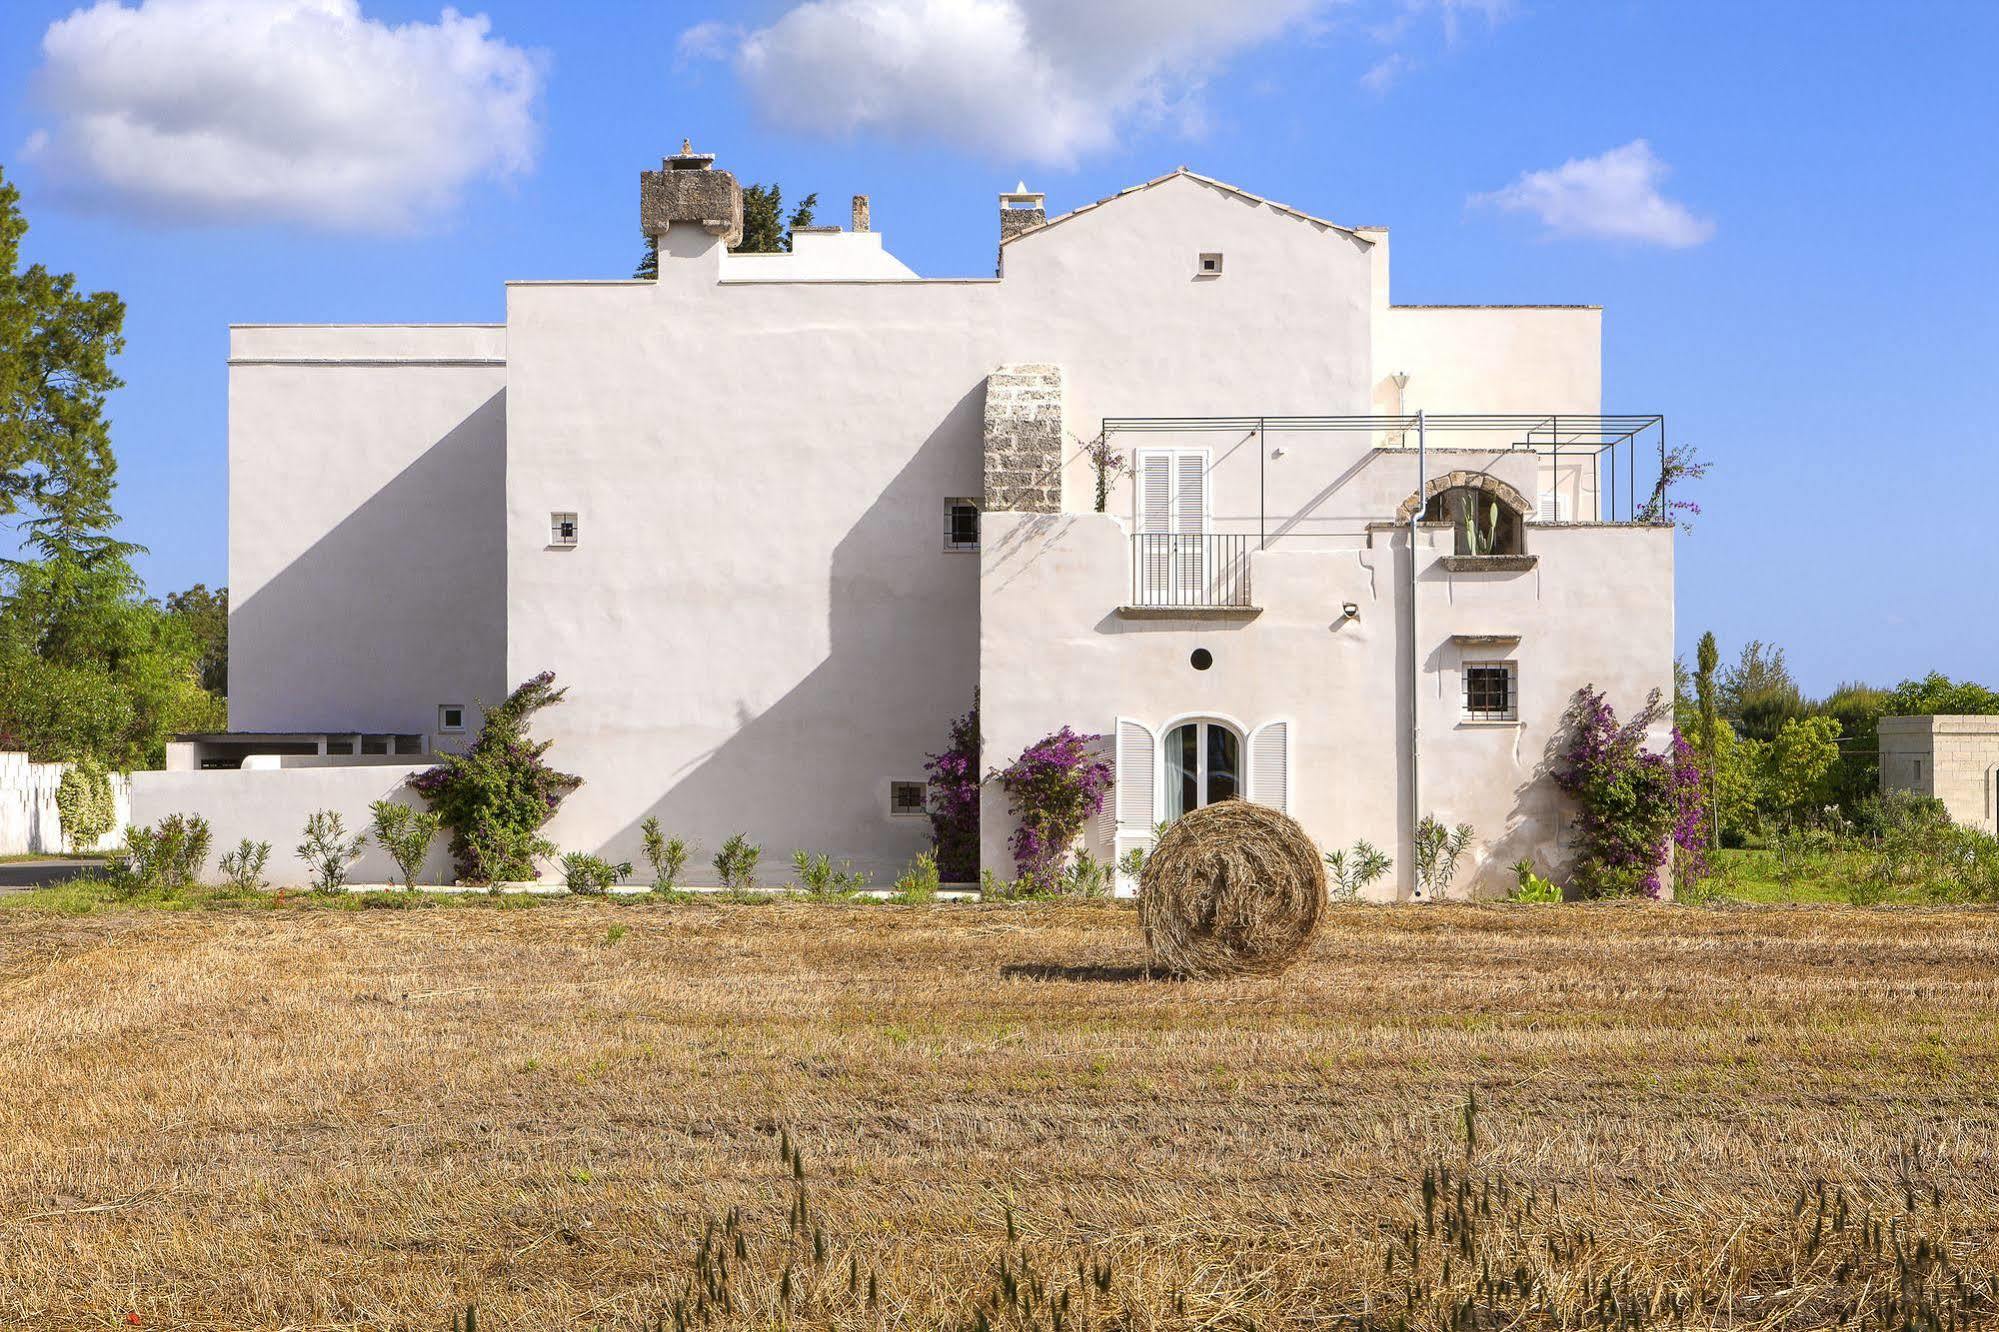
x=804 y=774
x=407 y=593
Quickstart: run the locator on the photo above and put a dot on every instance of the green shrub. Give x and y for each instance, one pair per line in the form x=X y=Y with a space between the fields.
x=1438 y=851
x=1086 y=876
x=85 y=804
x=736 y=862
x=497 y=796
x=919 y=883
x=1532 y=887
x=406 y=834
x=166 y=858
x=1350 y=871
x=667 y=855
x=327 y=851
x=243 y=868
x=817 y=875
x=584 y=873
x=1920 y=850
x=1132 y=863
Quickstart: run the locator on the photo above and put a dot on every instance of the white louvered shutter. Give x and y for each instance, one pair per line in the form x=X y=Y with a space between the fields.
x=1190 y=498
x=1137 y=764
x=1155 y=512
x=1270 y=765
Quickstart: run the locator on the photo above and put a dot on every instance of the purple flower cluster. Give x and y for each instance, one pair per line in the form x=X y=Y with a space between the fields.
x=1632 y=802
x=954 y=802
x=1056 y=785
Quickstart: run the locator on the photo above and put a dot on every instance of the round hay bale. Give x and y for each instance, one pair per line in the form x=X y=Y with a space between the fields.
x=1232 y=889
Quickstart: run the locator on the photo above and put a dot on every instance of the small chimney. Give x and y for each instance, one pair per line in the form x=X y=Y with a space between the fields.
x=860 y=212
x=1022 y=210
x=687 y=188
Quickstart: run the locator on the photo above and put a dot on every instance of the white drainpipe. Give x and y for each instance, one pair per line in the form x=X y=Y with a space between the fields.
x=1415 y=656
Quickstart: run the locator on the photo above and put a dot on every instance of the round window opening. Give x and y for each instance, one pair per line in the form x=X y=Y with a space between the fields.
x=1202 y=659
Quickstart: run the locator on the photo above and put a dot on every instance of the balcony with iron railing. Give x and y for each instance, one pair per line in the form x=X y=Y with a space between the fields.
x=1206 y=571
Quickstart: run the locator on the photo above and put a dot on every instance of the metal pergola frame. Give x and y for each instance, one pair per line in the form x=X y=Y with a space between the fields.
x=1548 y=432
x=1584 y=434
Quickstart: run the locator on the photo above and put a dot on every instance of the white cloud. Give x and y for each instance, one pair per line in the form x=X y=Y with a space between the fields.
x=1385 y=72
x=248 y=110
x=1614 y=195
x=1025 y=80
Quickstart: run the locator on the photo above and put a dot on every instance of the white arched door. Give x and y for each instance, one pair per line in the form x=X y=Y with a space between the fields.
x=1202 y=764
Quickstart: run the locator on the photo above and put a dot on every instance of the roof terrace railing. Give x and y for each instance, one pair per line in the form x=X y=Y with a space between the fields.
x=1621 y=446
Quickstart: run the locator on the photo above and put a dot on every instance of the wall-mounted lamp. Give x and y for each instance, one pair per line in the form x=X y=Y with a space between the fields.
x=1277 y=452
x=1350 y=610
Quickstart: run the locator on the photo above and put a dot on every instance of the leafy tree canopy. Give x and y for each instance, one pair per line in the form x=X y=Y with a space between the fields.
x=206 y=615
x=88 y=667
x=1938 y=693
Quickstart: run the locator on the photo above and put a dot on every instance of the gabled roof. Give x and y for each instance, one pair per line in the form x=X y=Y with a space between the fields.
x=1211 y=183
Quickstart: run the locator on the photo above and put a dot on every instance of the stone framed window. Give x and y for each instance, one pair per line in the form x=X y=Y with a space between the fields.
x=961 y=524
x=1481 y=523
x=562 y=529
x=1210 y=264
x=450 y=717
x=1492 y=691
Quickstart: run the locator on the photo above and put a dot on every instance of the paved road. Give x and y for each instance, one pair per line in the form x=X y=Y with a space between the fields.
x=16 y=875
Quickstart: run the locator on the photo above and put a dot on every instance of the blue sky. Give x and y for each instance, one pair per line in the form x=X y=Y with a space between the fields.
x=1807 y=290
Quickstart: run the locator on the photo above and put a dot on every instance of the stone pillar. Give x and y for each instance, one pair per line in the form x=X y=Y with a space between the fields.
x=1020 y=211
x=860 y=212
x=1023 y=439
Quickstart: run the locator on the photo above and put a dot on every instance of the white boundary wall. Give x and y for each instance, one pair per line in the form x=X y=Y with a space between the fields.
x=272 y=804
x=29 y=823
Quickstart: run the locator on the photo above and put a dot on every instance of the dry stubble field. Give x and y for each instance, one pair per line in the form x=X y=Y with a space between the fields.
x=319 y=1119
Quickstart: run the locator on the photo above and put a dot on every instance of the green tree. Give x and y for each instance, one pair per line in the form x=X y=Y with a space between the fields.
x=1798 y=767
x=1858 y=708
x=1758 y=693
x=766 y=230
x=1707 y=724
x=1937 y=694
x=87 y=665
x=206 y=615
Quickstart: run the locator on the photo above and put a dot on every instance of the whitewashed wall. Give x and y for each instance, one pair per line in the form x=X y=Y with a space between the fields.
x=272 y=804
x=29 y=823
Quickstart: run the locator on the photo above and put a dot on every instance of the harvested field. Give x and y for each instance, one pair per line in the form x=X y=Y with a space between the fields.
x=321 y=1119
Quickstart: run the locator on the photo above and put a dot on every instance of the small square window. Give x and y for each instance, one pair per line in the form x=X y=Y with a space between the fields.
x=906 y=800
x=451 y=717
x=562 y=529
x=961 y=524
x=1211 y=265
x=1491 y=691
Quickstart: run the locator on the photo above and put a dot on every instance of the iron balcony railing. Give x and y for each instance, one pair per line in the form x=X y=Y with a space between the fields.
x=1208 y=569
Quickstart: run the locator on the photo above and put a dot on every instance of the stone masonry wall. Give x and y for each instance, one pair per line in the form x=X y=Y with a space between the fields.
x=1023 y=437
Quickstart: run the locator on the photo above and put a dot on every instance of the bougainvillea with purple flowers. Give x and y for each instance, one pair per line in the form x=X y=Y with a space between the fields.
x=496 y=796
x=1056 y=785
x=1636 y=806
x=954 y=802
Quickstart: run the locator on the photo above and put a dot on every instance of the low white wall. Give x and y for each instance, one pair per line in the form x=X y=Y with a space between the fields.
x=271 y=805
x=29 y=821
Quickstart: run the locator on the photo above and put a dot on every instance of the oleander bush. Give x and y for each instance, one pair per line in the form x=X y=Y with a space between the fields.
x=85 y=804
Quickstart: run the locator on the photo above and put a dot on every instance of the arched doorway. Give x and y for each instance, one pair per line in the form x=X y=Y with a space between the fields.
x=1203 y=762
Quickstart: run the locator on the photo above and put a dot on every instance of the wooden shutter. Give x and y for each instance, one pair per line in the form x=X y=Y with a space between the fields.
x=1270 y=765
x=1137 y=768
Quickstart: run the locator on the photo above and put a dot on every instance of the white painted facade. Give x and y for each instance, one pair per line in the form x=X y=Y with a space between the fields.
x=760 y=621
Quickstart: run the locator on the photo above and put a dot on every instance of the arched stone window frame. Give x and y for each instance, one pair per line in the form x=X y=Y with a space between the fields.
x=1484 y=483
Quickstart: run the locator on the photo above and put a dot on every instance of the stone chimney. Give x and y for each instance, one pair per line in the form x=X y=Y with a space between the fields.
x=860 y=212
x=1022 y=210
x=688 y=188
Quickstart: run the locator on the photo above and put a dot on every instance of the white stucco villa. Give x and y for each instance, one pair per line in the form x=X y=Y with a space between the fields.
x=776 y=519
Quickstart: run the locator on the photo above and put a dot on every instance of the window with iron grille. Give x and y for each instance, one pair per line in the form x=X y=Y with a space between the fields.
x=906 y=800
x=562 y=529
x=1491 y=691
x=961 y=524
